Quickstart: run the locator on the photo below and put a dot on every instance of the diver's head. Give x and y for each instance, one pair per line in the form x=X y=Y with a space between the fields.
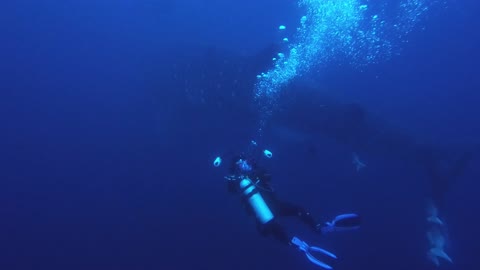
x=244 y=166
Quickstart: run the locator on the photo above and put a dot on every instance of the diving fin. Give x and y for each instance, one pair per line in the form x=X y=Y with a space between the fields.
x=344 y=222
x=436 y=253
x=435 y=220
x=303 y=246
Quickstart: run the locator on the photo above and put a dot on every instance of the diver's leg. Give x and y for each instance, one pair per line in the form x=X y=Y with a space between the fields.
x=276 y=230
x=344 y=222
x=288 y=209
x=441 y=178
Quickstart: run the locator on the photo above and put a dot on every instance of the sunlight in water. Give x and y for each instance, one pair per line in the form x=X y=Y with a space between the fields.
x=353 y=31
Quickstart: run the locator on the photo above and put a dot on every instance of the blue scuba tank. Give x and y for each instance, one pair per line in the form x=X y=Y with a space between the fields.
x=256 y=201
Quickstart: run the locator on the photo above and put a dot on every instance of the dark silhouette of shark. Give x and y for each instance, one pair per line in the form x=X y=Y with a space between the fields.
x=220 y=83
x=307 y=110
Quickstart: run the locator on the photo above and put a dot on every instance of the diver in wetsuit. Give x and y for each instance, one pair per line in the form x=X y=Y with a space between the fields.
x=441 y=179
x=253 y=183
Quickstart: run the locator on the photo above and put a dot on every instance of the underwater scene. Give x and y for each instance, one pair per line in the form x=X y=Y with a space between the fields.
x=254 y=134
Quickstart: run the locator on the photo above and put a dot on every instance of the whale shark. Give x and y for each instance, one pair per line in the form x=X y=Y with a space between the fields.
x=221 y=83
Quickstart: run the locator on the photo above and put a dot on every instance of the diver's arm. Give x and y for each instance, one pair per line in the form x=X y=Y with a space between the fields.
x=232 y=185
x=264 y=185
x=263 y=180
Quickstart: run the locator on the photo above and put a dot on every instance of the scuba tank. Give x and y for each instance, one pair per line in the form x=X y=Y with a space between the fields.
x=256 y=201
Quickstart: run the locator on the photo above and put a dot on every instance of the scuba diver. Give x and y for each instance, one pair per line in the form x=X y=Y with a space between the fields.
x=253 y=183
x=441 y=178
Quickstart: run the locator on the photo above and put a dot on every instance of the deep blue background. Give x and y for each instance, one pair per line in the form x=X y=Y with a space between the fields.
x=105 y=162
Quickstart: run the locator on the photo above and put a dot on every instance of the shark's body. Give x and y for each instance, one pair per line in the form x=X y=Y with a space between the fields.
x=218 y=88
x=220 y=85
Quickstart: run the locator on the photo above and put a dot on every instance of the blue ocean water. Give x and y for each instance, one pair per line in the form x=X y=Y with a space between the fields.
x=112 y=113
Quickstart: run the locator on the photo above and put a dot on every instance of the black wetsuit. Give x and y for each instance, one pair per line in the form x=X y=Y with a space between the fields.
x=442 y=178
x=278 y=207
